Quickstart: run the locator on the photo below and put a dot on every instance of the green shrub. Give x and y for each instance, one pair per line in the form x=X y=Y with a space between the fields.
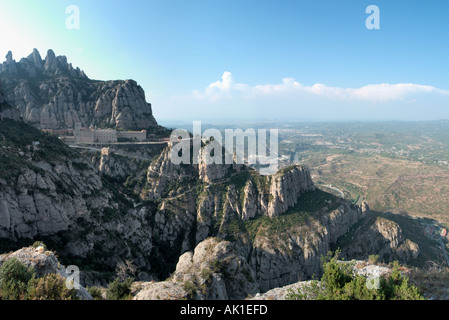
x=14 y=278
x=38 y=244
x=373 y=258
x=339 y=282
x=190 y=288
x=397 y=287
x=50 y=287
x=119 y=290
x=95 y=292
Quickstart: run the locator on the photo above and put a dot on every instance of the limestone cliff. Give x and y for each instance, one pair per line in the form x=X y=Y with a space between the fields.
x=277 y=227
x=257 y=259
x=269 y=231
x=6 y=110
x=48 y=191
x=390 y=240
x=51 y=94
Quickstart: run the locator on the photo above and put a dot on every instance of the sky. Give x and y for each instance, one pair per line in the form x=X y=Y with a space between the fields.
x=255 y=60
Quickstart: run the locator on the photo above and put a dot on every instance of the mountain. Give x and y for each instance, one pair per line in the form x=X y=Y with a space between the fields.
x=278 y=225
x=51 y=94
x=202 y=231
x=51 y=192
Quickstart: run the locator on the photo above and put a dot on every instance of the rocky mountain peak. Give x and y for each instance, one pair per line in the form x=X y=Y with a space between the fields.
x=34 y=65
x=9 y=66
x=9 y=56
x=52 y=94
x=35 y=57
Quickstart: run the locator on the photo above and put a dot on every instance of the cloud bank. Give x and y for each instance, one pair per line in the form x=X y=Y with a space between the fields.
x=293 y=100
x=227 y=88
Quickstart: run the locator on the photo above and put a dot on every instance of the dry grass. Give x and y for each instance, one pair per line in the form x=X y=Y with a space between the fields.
x=432 y=280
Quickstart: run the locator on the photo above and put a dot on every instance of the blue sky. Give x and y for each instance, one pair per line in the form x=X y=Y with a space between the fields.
x=287 y=59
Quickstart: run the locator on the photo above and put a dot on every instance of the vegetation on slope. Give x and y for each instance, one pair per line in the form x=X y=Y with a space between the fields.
x=339 y=282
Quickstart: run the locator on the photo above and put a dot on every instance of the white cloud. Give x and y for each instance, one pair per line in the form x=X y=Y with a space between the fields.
x=290 y=99
x=218 y=89
x=290 y=88
x=225 y=84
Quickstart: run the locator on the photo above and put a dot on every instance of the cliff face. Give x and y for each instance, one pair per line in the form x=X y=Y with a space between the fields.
x=266 y=231
x=258 y=195
x=286 y=187
x=51 y=94
x=222 y=269
x=6 y=110
x=25 y=208
x=280 y=259
x=269 y=230
x=387 y=239
x=48 y=191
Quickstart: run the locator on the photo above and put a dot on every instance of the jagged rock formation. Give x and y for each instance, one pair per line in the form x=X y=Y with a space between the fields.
x=51 y=94
x=295 y=254
x=201 y=274
x=286 y=187
x=48 y=191
x=221 y=269
x=266 y=196
x=386 y=238
x=271 y=250
x=24 y=208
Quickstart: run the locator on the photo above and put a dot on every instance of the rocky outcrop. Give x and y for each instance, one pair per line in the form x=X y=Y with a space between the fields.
x=27 y=209
x=286 y=187
x=383 y=237
x=51 y=94
x=220 y=269
x=63 y=198
x=210 y=173
x=163 y=172
x=215 y=270
x=166 y=290
x=9 y=66
x=6 y=110
x=69 y=204
x=362 y=268
x=43 y=262
x=283 y=258
x=260 y=195
x=33 y=66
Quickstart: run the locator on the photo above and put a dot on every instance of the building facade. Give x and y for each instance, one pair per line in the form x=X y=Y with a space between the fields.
x=88 y=135
x=132 y=135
